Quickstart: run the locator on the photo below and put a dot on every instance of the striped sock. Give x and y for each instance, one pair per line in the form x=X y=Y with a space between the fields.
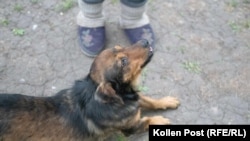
x=90 y=15
x=133 y=17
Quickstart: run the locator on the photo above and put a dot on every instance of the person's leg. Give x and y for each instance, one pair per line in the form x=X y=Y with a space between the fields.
x=135 y=21
x=91 y=30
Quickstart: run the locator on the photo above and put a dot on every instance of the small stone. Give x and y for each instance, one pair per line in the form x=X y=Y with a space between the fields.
x=34 y=27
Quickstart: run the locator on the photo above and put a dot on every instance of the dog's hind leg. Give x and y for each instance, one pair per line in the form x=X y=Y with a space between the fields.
x=162 y=103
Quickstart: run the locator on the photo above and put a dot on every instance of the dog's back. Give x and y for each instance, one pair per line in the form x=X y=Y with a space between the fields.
x=30 y=118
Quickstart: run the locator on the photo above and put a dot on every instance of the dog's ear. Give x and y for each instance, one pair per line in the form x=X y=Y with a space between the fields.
x=106 y=94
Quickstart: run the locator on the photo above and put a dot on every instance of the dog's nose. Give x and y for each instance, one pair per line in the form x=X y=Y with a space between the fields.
x=144 y=43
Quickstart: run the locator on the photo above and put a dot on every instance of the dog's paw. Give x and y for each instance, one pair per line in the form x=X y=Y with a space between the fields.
x=158 y=120
x=168 y=102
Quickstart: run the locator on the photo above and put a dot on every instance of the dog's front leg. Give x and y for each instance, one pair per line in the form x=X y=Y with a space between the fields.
x=162 y=103
x=142 y=125
x=139 y=125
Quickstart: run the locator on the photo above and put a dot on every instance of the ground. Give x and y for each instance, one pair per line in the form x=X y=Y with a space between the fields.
x=202 y=56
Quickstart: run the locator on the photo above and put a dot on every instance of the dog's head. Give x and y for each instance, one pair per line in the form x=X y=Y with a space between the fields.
x=116 y=69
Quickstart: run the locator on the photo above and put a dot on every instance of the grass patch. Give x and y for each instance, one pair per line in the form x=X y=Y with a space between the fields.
x=192 y=66
x=121 y=137
x=239 y=26
x=65 y=5
x=4 y=22
x=34 y=1
x=114 y=1
x=246 y=24
x=142 y=87
x=233 y=3
x=18 y=8
x=182 y=49
x=18 y=31
x=234 y=26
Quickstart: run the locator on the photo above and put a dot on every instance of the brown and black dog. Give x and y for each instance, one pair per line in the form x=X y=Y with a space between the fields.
x=105 y=101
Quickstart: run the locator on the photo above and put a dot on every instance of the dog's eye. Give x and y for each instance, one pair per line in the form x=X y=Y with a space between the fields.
x=124 y=61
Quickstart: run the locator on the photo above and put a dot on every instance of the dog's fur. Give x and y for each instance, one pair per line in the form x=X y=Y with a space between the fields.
x=106 y=100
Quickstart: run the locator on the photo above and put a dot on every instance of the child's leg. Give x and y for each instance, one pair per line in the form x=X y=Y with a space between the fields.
x=91 y=31
x=135 y=21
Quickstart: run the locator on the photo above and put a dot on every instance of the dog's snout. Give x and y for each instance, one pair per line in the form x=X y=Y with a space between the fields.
x=144 y=43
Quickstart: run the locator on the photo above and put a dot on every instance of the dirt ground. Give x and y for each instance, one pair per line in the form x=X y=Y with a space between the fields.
x=202 y=56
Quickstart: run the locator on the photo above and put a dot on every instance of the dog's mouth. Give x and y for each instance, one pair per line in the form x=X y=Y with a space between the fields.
x=150 y=51
x=150 y=55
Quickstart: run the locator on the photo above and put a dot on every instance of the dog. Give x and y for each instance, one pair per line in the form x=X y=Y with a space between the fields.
x=105 y=101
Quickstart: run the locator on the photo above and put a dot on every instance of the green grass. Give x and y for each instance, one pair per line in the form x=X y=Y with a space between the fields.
x=246 y=24
x=192 y=66
x=235 y=26
x=34 y=1
x=65 y=5
x=121 y=137
x=18 y=8
x=18 y=31
x=182 y=49
x=142 y=87
x=114 y=1
x=233 y=3
x=5 y=22
x=240 y=25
